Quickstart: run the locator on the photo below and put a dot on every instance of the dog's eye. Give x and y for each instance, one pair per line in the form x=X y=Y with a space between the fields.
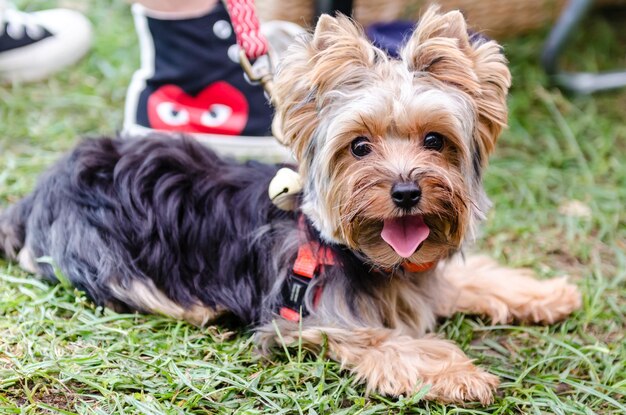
x=434 y=141
x=360 y=147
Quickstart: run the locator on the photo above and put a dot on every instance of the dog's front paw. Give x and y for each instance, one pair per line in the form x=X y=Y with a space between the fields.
x=401 y=368
x=548 y=301
x=469 y=385
x=509 y=294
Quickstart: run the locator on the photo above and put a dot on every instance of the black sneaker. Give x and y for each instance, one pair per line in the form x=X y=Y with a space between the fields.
x=35 y=45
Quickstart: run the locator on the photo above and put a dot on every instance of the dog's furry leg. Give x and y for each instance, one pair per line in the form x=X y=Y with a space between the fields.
x=507 y=294
x=144 y=295
x=392 y=363
x=13 y=229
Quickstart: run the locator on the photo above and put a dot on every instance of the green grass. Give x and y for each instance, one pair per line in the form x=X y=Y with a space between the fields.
x=60 y=354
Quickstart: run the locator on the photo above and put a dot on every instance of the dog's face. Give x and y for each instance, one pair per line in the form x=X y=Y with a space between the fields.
x=391 y=151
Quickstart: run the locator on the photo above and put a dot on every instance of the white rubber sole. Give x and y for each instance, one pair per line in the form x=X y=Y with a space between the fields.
x=267 y=148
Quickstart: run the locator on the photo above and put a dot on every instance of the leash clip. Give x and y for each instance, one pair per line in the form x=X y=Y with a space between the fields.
x=260 y=71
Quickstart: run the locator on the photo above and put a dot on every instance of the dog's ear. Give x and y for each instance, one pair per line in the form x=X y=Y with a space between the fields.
x=442 y=47
x=336 y=55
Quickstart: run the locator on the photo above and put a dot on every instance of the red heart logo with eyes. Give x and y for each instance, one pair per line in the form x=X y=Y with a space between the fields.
x=219 y=108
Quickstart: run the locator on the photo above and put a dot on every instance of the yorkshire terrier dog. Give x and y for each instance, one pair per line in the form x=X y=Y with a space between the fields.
x=391 y=154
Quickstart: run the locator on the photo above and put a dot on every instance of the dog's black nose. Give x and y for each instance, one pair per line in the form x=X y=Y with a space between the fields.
x=405 y=195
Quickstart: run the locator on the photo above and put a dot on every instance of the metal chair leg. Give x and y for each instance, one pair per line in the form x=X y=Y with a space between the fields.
x=582 y=82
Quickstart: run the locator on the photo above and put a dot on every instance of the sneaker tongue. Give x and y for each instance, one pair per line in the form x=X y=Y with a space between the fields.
x=405 y=234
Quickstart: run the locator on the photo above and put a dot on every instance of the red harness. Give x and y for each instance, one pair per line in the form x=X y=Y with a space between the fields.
x=309 y=262
x=307 y=265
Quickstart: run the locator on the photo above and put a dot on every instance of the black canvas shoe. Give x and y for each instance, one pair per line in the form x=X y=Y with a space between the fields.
x=35 y=45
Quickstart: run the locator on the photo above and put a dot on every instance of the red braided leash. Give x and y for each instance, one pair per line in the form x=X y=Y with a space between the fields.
x=247 y=28
x=254 y=54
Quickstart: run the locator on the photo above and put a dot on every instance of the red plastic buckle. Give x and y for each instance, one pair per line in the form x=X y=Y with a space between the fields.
x=289 y=314
x=310 y=256
x=411 y=267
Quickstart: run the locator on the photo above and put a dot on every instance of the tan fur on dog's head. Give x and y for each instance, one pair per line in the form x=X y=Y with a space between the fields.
x=335 y=87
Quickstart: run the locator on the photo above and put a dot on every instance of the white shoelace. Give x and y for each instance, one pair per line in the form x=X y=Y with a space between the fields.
x=17 y=24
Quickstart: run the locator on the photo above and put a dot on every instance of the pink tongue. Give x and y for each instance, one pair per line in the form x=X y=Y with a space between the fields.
x=405 y=234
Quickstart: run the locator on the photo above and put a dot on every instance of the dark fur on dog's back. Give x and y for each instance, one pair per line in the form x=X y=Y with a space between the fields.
x=199 y=227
